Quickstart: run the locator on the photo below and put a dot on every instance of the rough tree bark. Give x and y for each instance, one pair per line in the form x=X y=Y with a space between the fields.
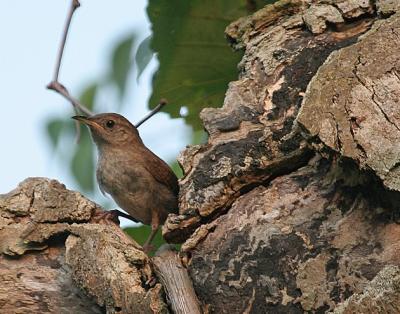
x=290 y=207
x=57 y=258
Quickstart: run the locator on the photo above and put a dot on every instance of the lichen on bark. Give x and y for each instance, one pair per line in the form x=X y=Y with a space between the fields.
x=281 y=218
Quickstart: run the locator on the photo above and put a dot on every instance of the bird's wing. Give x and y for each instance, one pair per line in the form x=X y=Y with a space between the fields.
x=160 y=171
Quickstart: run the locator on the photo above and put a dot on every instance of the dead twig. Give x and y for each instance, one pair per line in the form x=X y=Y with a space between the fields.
x=161 y=104
x=59 y=88
x=56 y=86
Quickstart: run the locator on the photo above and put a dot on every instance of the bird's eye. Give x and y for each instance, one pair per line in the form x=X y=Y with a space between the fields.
x=110 y=124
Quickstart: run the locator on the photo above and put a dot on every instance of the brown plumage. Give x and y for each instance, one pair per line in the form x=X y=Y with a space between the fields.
x=140 y=182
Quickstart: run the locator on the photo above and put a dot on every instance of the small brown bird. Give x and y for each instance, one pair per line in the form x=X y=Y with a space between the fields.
x=140 y=182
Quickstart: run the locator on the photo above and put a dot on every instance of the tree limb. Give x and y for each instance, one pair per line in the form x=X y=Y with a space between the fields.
x=176 y=281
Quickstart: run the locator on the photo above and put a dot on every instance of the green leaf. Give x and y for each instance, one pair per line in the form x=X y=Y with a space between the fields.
x=82 y=165
x=176 y=169
x=141 y=233
x=121 y=63
x=199 y=137
x=196 y=62
x=54 y=129
x=57 y=128
x=143 y=56
x=87 y=97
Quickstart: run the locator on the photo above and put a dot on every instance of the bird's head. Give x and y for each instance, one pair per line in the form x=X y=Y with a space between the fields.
x=110 y=129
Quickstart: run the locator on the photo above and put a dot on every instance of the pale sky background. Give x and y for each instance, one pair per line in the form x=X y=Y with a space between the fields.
x=30 y=32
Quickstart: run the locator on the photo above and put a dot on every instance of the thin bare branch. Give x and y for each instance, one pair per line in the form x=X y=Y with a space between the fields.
x=161 y=104
x=74 y=5
x=55 y=85
x=59 y=88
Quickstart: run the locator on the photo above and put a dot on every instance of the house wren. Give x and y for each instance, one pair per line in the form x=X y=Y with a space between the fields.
x=140 y=182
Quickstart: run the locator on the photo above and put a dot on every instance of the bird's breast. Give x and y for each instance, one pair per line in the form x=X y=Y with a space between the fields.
x=133 y=187
x=126 y=184
x=118 y=175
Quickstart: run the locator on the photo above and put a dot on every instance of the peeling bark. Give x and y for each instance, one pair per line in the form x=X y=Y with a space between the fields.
x=359 y=103
x=304 y=243
x=288 y=208
x=381 y=295
x=81 y=265
x=253 y=138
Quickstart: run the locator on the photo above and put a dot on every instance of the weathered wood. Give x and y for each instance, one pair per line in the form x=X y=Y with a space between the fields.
x=354 y=111
x=381 y=295
x=277 y=214
x=253 y=137
x=176 y=282
x=41 y=283
x=305 y=242
x=58 y=258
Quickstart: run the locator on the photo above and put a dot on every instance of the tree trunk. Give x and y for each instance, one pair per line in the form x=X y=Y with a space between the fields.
x=290 y=207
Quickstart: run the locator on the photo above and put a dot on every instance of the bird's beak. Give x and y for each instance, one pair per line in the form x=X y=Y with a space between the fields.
x=86 y=120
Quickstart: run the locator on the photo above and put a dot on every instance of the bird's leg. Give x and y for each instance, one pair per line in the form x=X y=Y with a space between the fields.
x=147 y=247
x=154 y=228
